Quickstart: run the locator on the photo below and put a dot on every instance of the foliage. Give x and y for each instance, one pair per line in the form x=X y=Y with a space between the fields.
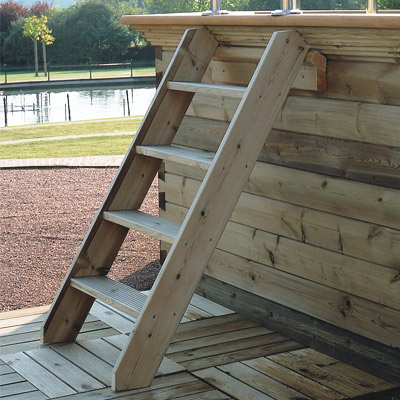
x=36 y=29
x=173 y=6
x=17 y=48
x=10 y=11
x=32 y=28
x=389 y=4
x=88 y=31
x=39 y=8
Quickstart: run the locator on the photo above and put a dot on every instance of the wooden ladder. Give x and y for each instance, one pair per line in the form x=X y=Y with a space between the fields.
x=195 y=240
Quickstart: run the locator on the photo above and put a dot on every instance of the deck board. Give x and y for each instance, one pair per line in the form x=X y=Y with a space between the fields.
x=215 y=354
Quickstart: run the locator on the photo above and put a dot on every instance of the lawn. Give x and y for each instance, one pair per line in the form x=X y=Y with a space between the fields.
x=13 y=77
x=127 y=124
x=94 y=146
x=74 y=147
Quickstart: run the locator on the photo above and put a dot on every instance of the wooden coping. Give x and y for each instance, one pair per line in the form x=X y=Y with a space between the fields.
x=257 y=18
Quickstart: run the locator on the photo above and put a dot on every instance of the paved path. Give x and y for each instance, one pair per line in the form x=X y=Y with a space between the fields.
x=65 y=137
x=92 y=161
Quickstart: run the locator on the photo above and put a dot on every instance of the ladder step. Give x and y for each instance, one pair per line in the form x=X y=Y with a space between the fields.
x=193 y=158
x=116 y=294
x=205 y=88
x=145 y=223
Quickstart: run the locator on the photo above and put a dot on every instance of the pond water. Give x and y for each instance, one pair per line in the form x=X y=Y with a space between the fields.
x=85 y=103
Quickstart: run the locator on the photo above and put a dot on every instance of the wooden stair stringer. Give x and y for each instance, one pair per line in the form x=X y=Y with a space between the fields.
x=131 y=184
x=210 y=211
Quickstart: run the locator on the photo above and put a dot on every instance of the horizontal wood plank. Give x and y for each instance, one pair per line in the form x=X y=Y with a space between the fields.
x=240 y=355
x=221 y=90
x=331 y=305
x=293 y=379
x=347 y=372
x=261 y=382
x=319 y=374
x=118 y=295
x=230 y=385
x=356 y=350
x=361 y=278
x=145 y=223
x=195 y=158
x=378 y=165
x=360 y=122
x=344 y=198
x=226 y=337
x=358 y=239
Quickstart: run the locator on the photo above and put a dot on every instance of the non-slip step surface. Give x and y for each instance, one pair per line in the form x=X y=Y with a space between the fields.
x=116 y=294
x=205 y=88
x=145 y=223
x=193 y=158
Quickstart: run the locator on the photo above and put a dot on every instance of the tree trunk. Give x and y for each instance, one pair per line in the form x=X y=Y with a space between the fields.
x=35 y=49
x=44 y=58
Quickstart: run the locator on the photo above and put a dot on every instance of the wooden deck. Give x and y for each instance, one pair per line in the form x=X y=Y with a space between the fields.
x=215 y=354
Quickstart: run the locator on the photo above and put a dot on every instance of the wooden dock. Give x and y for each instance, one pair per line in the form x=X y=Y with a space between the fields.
x=215 y=354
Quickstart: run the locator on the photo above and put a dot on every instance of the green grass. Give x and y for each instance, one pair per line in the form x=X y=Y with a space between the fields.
x=13 y=77
x=127 y=124
x=95 y=146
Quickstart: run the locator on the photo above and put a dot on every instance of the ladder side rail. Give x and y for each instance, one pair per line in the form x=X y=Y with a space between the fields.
x=130 y=185
x=210 y=211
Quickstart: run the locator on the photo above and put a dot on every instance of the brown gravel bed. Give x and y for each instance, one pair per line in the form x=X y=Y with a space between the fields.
x=44 y=216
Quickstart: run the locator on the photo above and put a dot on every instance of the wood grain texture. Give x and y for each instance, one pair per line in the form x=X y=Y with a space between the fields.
x=353 y=349
x=358 y=239
x=369 y=203
x=378 y=165
x=360 y=122
x=200 y=233
x=361 y=278
x=331 y=305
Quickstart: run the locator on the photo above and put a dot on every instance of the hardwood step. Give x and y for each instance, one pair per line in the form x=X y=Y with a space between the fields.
x=145 y=223
x=193 y=158
x=205 y=88
x=116 y=294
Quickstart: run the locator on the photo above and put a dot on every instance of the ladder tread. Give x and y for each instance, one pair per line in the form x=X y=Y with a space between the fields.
x=149 y=224
x=194 y=158
x=207 y=88
x=116 y=294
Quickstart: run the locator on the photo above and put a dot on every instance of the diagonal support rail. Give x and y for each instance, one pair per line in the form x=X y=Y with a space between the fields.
x=210 y=212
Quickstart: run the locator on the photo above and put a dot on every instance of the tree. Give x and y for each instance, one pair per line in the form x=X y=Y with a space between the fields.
x=36 y=29
x=388 y=4
x=17 y=48
x=46 y=39
x=32 y=29
x=40 y=8
x=10 y=11
x=88 y=30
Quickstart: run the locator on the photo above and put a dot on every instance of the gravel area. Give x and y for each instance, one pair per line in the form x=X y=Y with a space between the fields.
x=44 y=216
